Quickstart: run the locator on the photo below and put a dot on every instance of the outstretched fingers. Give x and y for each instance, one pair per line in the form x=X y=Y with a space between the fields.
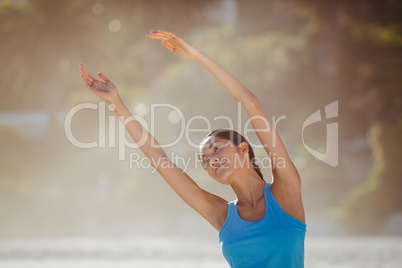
x=161 y=35
x=158 y=36
x=168 y=46
x=87 y=81
x=84 y=72
x=166 y=37
x=103 y=77
x=86 y=78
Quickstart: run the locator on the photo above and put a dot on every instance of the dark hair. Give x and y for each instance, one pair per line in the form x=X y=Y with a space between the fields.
x=236 y=138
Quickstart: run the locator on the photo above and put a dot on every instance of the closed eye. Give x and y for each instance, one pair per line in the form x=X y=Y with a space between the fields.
x=205 y=161
x=216 y=147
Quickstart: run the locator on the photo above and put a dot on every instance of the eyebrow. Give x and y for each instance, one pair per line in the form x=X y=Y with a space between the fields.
x=212 y=144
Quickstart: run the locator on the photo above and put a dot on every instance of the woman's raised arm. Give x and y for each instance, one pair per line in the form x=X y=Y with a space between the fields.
x=210 y=206
x=287 y=186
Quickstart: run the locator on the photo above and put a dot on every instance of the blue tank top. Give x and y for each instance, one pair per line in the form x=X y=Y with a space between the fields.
x=275 y=241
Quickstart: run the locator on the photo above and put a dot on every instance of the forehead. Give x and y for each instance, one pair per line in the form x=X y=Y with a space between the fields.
x=209 y=141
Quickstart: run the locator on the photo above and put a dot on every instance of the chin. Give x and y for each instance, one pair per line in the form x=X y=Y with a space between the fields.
x=222 y=182
x=223 y=177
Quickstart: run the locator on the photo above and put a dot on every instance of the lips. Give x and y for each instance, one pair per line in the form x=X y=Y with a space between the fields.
x=218 y=167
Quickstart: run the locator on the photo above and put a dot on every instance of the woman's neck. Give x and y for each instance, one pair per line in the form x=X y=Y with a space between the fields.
x=248 y=187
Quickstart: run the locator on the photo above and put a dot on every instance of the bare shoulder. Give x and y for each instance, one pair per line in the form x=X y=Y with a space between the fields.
x=287 y=192
x=218 y=212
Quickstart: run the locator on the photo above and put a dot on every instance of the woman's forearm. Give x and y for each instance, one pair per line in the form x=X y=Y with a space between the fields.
x=232 y=86
x=145 y=141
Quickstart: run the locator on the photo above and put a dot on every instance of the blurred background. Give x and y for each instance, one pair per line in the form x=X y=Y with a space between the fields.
x=296 y=56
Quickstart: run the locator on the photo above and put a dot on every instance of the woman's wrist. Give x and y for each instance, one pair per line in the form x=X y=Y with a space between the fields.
x=198 y=55
x=114 y=100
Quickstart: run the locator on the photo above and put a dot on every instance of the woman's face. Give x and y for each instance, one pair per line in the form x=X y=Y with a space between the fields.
x=219 y=157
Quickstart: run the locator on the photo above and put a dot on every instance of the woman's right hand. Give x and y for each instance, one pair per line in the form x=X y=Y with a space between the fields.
x=104 y=89
x=175 y=44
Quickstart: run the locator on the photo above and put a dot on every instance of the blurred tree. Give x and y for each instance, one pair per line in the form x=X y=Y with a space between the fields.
x=40 y=39
x=42 y=42
x=45 y=40
x=368 y=208
x=372 y=93
x=351 y=51
x=292 y=54
x=180 y=16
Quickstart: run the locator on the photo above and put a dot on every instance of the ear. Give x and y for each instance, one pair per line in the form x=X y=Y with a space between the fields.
x=243 y=147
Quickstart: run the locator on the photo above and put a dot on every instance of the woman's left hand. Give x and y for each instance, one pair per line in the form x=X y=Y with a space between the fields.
x=175 y=44
x=104 y=88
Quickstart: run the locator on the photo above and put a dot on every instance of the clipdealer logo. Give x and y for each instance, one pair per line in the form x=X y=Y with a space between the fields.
x=185 y=126
x=330 y=156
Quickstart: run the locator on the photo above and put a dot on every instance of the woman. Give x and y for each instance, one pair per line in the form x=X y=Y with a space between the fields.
x=265 y=226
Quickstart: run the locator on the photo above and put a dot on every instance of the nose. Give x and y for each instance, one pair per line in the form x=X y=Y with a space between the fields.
x=214 y=162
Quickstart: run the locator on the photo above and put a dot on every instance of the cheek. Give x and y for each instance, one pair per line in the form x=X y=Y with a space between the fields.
x=231 y=157
x=238 y=161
